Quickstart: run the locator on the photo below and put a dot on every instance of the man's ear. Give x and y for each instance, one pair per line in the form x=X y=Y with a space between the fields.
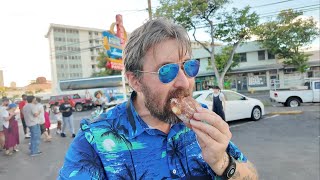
x=133 y=81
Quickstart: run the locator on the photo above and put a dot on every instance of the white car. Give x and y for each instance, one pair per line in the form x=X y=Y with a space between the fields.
x=238 y=106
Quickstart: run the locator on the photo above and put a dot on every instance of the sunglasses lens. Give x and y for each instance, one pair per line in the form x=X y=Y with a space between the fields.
x=191 y=67
x=168 y=72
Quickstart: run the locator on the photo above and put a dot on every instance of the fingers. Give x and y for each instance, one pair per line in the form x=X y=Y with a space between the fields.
x=211 y=131
x=214 y=120
x=204 y=139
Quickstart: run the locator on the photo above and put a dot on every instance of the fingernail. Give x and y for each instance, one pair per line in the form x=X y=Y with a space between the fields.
x=192 y=122
x=196 y=115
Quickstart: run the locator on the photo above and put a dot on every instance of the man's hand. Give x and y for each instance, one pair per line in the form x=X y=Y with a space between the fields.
x=213 y=135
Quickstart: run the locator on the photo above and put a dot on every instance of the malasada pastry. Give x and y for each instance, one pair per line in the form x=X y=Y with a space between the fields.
x=184 y=108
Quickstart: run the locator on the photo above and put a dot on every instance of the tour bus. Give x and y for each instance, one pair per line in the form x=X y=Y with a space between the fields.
x=86 y=87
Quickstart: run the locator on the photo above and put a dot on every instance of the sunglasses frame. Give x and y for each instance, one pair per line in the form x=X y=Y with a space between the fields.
x=158 y=72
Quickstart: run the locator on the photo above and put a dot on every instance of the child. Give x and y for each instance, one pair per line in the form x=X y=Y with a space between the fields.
x=57 y=116
x=47 y=120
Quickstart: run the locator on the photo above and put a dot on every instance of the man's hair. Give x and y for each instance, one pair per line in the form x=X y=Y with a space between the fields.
x=38 y=99
x=147 y=36
x=30 y=98
x=23 y=95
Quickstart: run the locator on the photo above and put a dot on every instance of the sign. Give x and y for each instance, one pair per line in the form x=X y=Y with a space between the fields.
x=257 y=81
x=114 y=43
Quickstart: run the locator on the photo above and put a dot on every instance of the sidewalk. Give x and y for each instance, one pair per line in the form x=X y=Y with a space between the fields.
x=280 y=109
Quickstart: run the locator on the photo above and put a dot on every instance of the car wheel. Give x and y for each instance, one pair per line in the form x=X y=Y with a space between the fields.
x=256 y=113
x=293 y=102
x=79 y=107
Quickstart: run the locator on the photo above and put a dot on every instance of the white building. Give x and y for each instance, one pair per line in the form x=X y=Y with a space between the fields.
x=73 y=52
x=257 y=69
x=1 y=79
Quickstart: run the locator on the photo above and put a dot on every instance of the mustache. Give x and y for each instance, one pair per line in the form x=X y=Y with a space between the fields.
x=179 y=93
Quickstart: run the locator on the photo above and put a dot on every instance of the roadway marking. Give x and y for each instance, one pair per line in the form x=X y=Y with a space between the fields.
x=272 y=116
x=240 y=124
x=254 y=121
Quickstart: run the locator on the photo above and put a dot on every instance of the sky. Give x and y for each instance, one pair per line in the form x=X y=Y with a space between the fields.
x=25 y=54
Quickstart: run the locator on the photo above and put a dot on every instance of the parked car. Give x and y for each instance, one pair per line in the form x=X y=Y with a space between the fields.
x=79 y=103
x=238 y=106
x=310 y=92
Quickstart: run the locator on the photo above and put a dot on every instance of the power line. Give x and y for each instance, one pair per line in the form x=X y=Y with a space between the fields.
x=271 y=3
x=297 y=8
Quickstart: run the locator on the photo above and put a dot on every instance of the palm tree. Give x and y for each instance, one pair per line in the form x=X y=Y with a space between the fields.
x=175 y=152
x=92 y=165
x=114 y=130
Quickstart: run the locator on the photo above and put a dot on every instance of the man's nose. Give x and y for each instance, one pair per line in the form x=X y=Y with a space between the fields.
x=181 y=80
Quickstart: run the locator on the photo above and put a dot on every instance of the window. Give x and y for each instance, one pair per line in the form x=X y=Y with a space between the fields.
x=243 y=57
x=231 y=96
x=65 y=57
x=316 y=85
x=76 y=96
x=97 y=42
x=96 y=33
x=90 y=33
x=92 y=58
x=90 y=41
x=261 y=55
x=271 y=56
x=209 y=97
x=196 y=96
x=93 y=66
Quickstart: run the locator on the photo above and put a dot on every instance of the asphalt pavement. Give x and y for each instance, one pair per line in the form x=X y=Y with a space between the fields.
x=281 y=146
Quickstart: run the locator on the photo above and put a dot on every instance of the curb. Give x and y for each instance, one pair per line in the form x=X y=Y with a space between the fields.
x=285 y=113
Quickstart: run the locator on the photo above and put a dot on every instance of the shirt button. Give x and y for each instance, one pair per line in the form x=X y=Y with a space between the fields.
x=174 y=171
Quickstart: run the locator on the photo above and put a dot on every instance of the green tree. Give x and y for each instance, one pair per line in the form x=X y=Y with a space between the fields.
x=286 y=35
x=222 y=59
x=3 y=91
x=231 y=27
x=38 y=91
x=29 y=92
x=102 y=61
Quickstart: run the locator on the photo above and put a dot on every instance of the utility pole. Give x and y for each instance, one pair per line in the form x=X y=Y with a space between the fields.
x=149 y=10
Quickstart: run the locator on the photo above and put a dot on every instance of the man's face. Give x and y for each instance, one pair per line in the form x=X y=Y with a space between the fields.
x=24 y=98
x=216 y=91
x=5 y=103
x=156 y=94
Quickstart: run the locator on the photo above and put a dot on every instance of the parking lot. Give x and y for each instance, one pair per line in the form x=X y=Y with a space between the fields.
x=281 y=146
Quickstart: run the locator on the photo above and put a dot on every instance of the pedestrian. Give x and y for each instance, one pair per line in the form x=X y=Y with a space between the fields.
x=57 y=117
x=100 y=98
x=143 y=138
x=67 y=117
x=11 y=129
x=21 y=105
x=47 y=123
x=42 y=120
x=3 y=111
x=219 y=102
x=31 y=113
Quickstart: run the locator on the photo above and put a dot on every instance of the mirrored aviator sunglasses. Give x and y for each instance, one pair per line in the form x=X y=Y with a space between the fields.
x=169 y=72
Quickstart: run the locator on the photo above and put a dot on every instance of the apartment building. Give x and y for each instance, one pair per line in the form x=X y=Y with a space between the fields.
x=1 y=79
x=73 y=51
x=258 y=70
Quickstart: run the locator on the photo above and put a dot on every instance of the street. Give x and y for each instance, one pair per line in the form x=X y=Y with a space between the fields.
x=282 y=147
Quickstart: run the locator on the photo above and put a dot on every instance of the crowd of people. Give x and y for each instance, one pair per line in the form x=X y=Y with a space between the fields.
x=36 y=122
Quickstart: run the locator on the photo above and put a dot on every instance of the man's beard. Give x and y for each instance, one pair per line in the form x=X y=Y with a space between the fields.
x=163 y=113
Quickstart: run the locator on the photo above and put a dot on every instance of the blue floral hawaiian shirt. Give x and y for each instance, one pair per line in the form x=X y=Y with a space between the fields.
x=115 y=147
